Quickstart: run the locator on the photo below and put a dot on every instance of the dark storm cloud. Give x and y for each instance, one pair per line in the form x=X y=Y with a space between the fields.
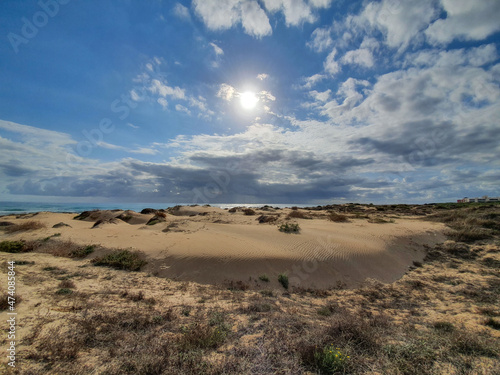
x=15 y=168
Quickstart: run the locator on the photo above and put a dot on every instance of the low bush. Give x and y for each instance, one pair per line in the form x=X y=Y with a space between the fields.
x=338 y=218
x=121 y=259
x=248 y=211
x=330 y=360
x=262 y=219
x=289 y=228
x=264 y=278
x=283 y=280
x=12 y=247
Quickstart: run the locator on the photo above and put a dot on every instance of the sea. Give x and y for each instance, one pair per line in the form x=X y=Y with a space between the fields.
x=13 y=208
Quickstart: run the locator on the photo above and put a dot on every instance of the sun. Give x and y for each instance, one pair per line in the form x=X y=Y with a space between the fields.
x=248 y=100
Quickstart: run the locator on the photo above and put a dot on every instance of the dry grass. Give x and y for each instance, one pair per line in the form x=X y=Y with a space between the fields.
x=297 y=215
x=24 y=227
x=67 y=249
x=337 y=218
x=413 y=326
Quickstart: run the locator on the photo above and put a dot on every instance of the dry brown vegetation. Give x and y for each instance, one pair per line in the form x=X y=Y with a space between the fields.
x=442 y=317
x=24 y=227
x=295 y=214
x=337 y=218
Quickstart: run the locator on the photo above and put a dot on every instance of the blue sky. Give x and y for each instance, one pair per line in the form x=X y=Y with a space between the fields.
x=143 y=101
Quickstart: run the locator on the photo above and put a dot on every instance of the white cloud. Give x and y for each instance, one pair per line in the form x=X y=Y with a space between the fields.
x=296 y=11
x=320 y=3
x=320 y=96
x=266 y=96
x=362 y=57
x=331 y=65
x=226 y=92
x=321 y=39
x=262 y=76
x=132 y=126
x=312 y=80
x=36 y=135
x=218 y=51
x=225 y=14
x=218 y=14
x=477 y=56
x=466 y=20
x=164 y=90
x=181 y=108
x=351 y=96
x=140 y=150
x=163 y=102
x=370 y=43
x=400 y=21
x=254 y=20
x=181 y=11
x=144 y=151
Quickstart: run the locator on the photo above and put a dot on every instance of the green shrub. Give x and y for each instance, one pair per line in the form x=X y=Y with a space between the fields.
x=330 y=360
x=12 y=246
x=120 y=259
x=283 y=280
x=264 y=278
x=289 y=228
x=82 y=252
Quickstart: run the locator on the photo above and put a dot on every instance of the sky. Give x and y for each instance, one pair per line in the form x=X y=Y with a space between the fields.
x=246 y=101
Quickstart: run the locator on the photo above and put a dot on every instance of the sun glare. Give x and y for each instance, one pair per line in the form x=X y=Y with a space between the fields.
x=248 y=100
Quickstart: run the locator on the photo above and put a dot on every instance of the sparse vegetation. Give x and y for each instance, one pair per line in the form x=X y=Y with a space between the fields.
x=24 y=227
x=379 y=220
x=64 y=291
x=191 y=329
x=283 y=280
x=330 y=360
x=121 y=259
x=337 y=218
x=262 y=219
x=248 y=211
x=297 y=215
x=264 y=278
x=289 y=228
x=12 y=246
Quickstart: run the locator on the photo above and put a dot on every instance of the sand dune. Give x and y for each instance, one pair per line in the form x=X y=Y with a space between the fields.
x=211 y=245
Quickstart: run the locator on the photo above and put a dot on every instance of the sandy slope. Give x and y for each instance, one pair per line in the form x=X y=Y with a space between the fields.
x=212 y=245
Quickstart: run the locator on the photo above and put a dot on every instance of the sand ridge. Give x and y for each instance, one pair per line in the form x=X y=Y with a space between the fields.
x=212 y=245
